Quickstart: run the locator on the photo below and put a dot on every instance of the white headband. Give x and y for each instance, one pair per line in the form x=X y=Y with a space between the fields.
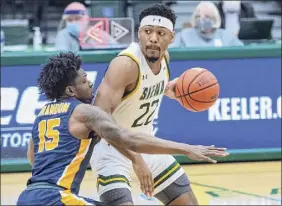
x=156 y=21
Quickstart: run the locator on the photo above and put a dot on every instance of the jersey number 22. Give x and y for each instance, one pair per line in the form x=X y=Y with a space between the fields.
x=141 y=120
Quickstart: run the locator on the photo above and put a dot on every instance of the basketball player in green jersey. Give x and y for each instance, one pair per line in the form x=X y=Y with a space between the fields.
x=131 y=91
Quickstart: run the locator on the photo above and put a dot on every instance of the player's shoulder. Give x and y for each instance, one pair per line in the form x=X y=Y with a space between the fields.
x=133 y=51
x=82 y=112
x=127 y=60
x=80 y=108
x=125 y=65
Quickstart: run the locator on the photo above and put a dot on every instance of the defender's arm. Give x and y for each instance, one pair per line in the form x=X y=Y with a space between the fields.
x=98 y=120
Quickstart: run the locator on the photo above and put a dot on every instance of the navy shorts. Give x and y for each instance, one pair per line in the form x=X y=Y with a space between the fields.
x=52 y=196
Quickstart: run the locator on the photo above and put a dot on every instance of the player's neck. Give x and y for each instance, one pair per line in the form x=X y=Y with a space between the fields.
x=156 y=66
x=62 y=98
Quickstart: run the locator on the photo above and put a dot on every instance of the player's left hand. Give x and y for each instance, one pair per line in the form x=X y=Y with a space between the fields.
x=144 y=175
x=204 y=153
x=170 y=89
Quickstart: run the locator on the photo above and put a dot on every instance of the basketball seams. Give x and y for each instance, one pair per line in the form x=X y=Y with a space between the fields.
x=201 y=90
x=198 y=90
x=191 y=102
x=188 y=90
x=179 y=89
x=179 y=93
x=194 y=80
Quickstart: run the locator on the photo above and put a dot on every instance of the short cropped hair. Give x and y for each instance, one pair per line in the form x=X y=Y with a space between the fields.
x=158 y=10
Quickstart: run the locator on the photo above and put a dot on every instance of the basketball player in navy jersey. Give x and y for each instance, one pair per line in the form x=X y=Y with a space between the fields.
x=63 y=136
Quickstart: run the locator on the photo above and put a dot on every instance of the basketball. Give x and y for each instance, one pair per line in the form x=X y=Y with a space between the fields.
x=197 y=89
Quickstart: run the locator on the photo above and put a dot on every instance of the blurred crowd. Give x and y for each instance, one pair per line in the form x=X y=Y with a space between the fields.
x=212 y=24
x=209 y=27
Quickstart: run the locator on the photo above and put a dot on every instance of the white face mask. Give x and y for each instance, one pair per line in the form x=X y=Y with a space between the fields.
x=231 y=6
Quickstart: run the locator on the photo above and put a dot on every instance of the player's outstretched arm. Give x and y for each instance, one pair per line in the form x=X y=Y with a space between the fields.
x=96 y=119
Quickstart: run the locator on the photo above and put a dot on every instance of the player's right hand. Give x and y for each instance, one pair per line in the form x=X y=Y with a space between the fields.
x=203 y=153
x=144 y=175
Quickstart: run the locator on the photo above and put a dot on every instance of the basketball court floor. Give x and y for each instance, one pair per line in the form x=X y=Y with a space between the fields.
x=256 y=183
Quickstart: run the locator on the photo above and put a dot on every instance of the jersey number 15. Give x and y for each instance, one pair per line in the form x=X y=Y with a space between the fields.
x=46 y=130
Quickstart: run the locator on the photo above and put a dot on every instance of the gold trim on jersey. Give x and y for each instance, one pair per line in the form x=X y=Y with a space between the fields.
x=167 y=173
x=69 y=198
x=106 y=180
x=167 y=68
x=71 y=170
x=129 y=94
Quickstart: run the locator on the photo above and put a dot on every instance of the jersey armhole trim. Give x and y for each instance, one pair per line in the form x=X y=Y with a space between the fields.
x=67 y=122
x=129 y=94
x=167 y=68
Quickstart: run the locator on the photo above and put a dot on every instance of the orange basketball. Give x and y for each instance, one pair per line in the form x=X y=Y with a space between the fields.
x=197 y=89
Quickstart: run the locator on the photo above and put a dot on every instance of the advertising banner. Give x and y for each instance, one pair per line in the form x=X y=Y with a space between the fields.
x=247 y=114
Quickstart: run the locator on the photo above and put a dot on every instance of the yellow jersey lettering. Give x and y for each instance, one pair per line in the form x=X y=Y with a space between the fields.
x=47 y=111
x=55 y=109
x=42 y=111
x=52 y=109
x=66 y=107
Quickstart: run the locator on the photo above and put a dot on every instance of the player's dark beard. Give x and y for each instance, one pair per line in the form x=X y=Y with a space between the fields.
x=152 y=59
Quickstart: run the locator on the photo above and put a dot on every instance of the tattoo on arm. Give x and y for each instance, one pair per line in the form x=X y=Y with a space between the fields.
x=102 y=123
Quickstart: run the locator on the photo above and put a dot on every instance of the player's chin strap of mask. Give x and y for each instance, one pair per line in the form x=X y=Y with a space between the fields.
x=153 y=20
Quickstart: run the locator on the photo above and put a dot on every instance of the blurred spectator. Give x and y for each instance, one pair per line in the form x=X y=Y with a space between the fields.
x=187 y=24
x=232 y=11
x=74 y=21
x=205 y=31
x=75 y=16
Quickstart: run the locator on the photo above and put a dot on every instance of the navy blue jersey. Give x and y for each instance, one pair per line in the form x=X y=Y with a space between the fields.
x=59 y=157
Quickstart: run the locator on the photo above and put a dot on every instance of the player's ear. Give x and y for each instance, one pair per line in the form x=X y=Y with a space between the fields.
x=138 y=33
x=70 y=91
x=172 y=37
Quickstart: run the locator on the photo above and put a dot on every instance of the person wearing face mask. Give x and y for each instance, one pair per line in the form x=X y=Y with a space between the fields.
x=74 y=16
x=75 y=20
x=205 y=31
x=232 y=11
